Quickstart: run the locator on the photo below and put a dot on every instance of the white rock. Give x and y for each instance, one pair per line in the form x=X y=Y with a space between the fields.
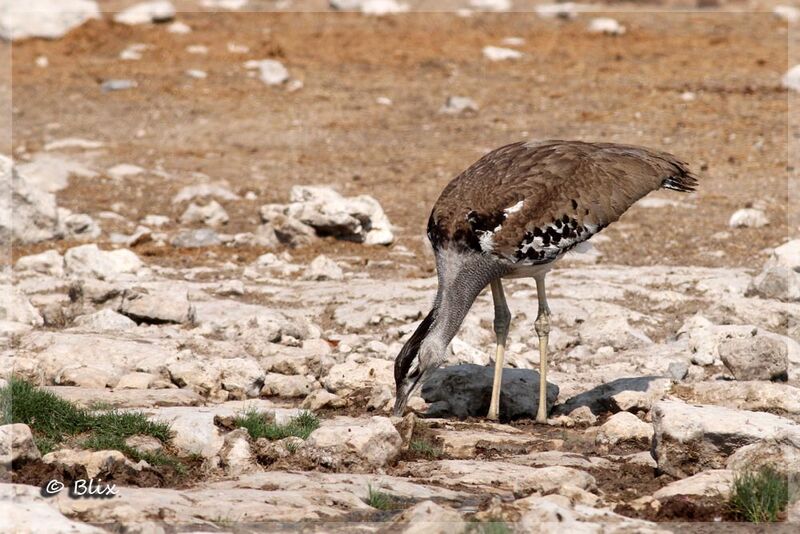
x=566 y=10
x=231 y=5
x=197 y=74
x=231 y=288
x=508 y=476
x=124 y=170
x=242 y=377
x=104 y=320
x=491 y=5
x=236 y=454
x=790 y=14
x=35 y=215
x=758 y=396
x=95 y=462
x=755 y=358
x=179 y=27
x=345 y=5
x=78 y=225
x=155 y=220
x=194 y=430
x=212 y=214
x=624 y=427
x=88 y=260
x=748 y=218
x=197 y=49
x=136 y=380
x=270 y=71
x=358 y=218
x=157 y=307
x=780 y=278
x=49 y=19
x=382 y=7
x=709 y=483
x=25 y=511
x=288 y=386
x=323 y=268
x=781 y=452
x=49 y=262
x=606 y=25
x=204 y=190
x=554 y=513
x=351 y=375
x=17 y=445
x=15 y=306
x=458 y=104
x=689 y=439
x=51 y=173
x=428 y=517
x=354 y=441
x=133 y=52
x=496 y=53
x=73 y=142
x=146 y=12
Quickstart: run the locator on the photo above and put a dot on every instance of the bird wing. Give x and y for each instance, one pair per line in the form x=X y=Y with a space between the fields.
x=531 y=202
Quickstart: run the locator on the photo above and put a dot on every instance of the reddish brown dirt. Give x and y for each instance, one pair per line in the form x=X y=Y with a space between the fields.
x=570 y=84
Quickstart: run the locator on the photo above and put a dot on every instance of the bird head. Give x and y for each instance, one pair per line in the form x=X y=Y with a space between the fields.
x=412 y=365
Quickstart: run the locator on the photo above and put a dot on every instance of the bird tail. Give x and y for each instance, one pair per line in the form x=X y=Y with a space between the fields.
x=682 y=180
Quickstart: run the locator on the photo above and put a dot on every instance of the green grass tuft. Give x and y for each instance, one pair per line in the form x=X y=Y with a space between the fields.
x=53 y=419
x=760 y=496
x=425 y=448
x=380 y=500
x=258 y=426
x=47 y=414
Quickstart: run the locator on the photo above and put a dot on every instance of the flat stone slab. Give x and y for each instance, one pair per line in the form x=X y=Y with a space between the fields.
x=707 y=483
x=260 y=497
x=750 y=395
x=127 y=398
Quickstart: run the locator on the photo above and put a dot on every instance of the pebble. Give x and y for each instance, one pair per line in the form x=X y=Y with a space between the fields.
x=496 y=53
x=748 y=218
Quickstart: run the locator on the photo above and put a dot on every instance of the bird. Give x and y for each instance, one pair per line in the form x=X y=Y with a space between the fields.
x=514 y=213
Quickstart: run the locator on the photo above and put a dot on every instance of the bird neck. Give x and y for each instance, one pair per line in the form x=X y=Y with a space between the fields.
x=462 y=276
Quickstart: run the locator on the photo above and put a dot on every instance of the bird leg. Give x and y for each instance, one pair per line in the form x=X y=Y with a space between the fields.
x=542 y=325
x=502 y=318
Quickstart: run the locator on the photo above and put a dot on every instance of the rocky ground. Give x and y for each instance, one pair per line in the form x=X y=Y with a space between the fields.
x=175 y=258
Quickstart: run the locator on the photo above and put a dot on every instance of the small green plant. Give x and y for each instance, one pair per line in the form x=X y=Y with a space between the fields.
x=425 y=448
x=258 y=426
x=759 y=496
x=380 y=500
x=53 y=419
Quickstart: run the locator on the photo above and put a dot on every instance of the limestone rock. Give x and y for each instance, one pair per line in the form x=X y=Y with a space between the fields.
x=236 y=454
x=624 y=427
x=212 y=214
x=146 y=12
x=781 y=452
x=706 y=483
x=323 y=268
x=689 y=439
x=352 y=375
x=103 y=320
x=17 y=445
x=49 y=19
x=755 y=358
x=428 y=517
x=157 y=308
x=97 y=463
x=288 y=386
x=89 y=260
x=49 y=262
x=35 y=215
x=356 y=442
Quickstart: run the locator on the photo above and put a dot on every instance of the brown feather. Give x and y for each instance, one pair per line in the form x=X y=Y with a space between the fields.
x=586 y=185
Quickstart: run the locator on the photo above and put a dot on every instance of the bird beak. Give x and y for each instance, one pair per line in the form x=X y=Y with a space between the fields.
x=404 y=392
